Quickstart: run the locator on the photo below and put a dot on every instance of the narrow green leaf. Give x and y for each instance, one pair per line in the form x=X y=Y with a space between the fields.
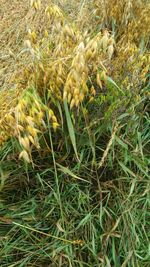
x=84 y=221
x=70 y=173
x=71 y=128
x=126 y=170
x=120 y=142
x=114 y=84
x=132 y=187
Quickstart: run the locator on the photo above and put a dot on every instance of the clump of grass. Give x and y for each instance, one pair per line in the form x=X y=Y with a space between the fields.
x=81 y=216
x=74 y=150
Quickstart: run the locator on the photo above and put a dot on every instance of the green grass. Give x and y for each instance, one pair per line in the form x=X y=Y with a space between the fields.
x=65 y=210
x=84 y=200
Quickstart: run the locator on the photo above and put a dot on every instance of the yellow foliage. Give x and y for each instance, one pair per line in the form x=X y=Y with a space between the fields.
x=65 y=58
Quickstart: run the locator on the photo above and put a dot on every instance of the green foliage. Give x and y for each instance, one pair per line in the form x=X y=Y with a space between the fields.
x=74 y=178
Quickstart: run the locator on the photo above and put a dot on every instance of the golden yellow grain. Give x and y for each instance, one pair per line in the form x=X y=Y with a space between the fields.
x=24 y=155
x=24 y=141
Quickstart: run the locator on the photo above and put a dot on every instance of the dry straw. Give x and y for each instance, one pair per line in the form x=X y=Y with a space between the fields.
x=63 y=61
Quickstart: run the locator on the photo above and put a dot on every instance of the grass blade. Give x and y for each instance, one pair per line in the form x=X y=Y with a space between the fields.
x=71 y=128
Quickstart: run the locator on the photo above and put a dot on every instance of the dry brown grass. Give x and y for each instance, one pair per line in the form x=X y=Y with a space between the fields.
x=16 y=17
x=68 y=49
x=62 y=62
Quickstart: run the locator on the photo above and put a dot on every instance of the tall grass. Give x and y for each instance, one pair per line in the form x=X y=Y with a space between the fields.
x=74 y=138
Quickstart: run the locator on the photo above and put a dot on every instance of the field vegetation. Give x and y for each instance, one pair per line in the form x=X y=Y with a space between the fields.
x=75 y=133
